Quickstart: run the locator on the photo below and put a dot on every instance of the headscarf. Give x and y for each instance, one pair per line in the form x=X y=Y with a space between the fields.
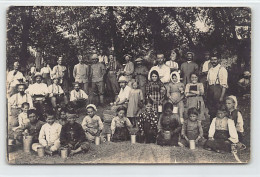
x=177 y=75
x=234 y=98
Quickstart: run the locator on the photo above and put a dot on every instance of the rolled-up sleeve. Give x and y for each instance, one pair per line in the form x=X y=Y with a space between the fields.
x=223 y=76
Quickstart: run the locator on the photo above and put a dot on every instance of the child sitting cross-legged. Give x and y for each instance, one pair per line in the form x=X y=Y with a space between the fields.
x=147 y=123
x=49 y=136
x=72 y=136
x=192 y=129
x=120 y=125
x=222 y=132
x=92 y=123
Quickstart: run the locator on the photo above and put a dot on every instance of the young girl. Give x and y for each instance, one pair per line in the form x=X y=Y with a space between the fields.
x=135 y=100
x=147 y=123
x=120 y=125
x=155 y=90
x=194 y=92
x=169 y=127
x=92 y=124
x=172 y=63
x=192 y=129
x=175 y=92
x=235 y=115
x=222 y=132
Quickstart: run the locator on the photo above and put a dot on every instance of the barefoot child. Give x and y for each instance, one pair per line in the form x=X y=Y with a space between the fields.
x=135 y=101
x=120 y=125
x=147 y=123
x=235 y=115
x=192 y=129
x=49 y=136
x=222 y=133
x=194 y=92
x=72 y=136
x=92 y=124
x=169 y=127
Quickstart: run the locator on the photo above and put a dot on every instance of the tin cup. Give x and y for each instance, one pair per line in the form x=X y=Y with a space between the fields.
x=97 y=140
x=41 y=151
x=27 y=143
x=64 y=153
x=192 y=144
x=108 y=137
x=167 y=135
x=133 y=139
x=159 y=108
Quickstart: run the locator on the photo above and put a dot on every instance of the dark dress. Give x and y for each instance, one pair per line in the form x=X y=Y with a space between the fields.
x=73 y=137
x=171 y=124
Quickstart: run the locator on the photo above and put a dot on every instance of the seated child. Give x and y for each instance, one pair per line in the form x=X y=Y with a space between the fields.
x=192 y=129
x=49 y=136
x=147 y=123
x=23 y=122
x=56 y=93
x=78 y=97
x=175 y=92
x=62 y=116
x=72 y=136
x=235 y=115
x=92 y=124
x=222 y=132
x=35 y=125
x=120 y=125
x=169 y=127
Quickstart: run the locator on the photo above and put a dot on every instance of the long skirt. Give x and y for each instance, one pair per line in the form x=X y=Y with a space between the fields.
x=121 y=134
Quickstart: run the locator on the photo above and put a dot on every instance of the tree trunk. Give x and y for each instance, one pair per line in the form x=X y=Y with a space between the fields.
x=26 y=22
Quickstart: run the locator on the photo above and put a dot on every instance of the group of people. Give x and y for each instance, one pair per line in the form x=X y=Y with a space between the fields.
x=168 y=104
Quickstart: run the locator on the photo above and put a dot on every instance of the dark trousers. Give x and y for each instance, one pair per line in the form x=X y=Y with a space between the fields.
x=213 y=96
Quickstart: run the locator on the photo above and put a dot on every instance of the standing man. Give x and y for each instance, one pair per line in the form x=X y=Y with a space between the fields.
x=60 y=72
x=97 y=83
x=80 y=74
x=188 y=67
x=14 y=77
x=217 y=85
x=163 y=70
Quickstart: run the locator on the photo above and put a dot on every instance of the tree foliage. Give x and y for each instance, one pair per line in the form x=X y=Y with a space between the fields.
x=50 y=32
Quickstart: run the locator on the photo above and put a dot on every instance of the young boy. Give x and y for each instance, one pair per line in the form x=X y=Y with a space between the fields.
x=34 y=126
x=72 y=136
x=49 y=136
x=92 y=124
x=78 y=97
x=222 y=132
x=97 y=83
x=62 y=116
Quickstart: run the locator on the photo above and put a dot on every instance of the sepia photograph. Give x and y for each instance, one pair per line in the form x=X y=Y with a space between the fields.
x=128 y=85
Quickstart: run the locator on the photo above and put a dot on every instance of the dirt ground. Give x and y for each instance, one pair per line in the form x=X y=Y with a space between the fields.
x=127 y=153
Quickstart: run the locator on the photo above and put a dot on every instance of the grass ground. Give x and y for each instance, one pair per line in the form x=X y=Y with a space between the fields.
x=125 y=152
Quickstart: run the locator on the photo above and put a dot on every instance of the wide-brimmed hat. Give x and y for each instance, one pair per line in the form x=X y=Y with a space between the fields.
x=122 y=79
x=94 y=57
x=21 y=83
x=91 y=106
x=130 y=56
x=38 y=74
x=138 y=59
x=75 y=83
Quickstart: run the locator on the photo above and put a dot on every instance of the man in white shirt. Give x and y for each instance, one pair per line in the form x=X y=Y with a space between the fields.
x=39 y=92
x=61 y=72
x=123 y=95
x=16 y=101
x=81 y=74
x=163 y=70
x=217 y=85
x=14 y=77
x=78 y=98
